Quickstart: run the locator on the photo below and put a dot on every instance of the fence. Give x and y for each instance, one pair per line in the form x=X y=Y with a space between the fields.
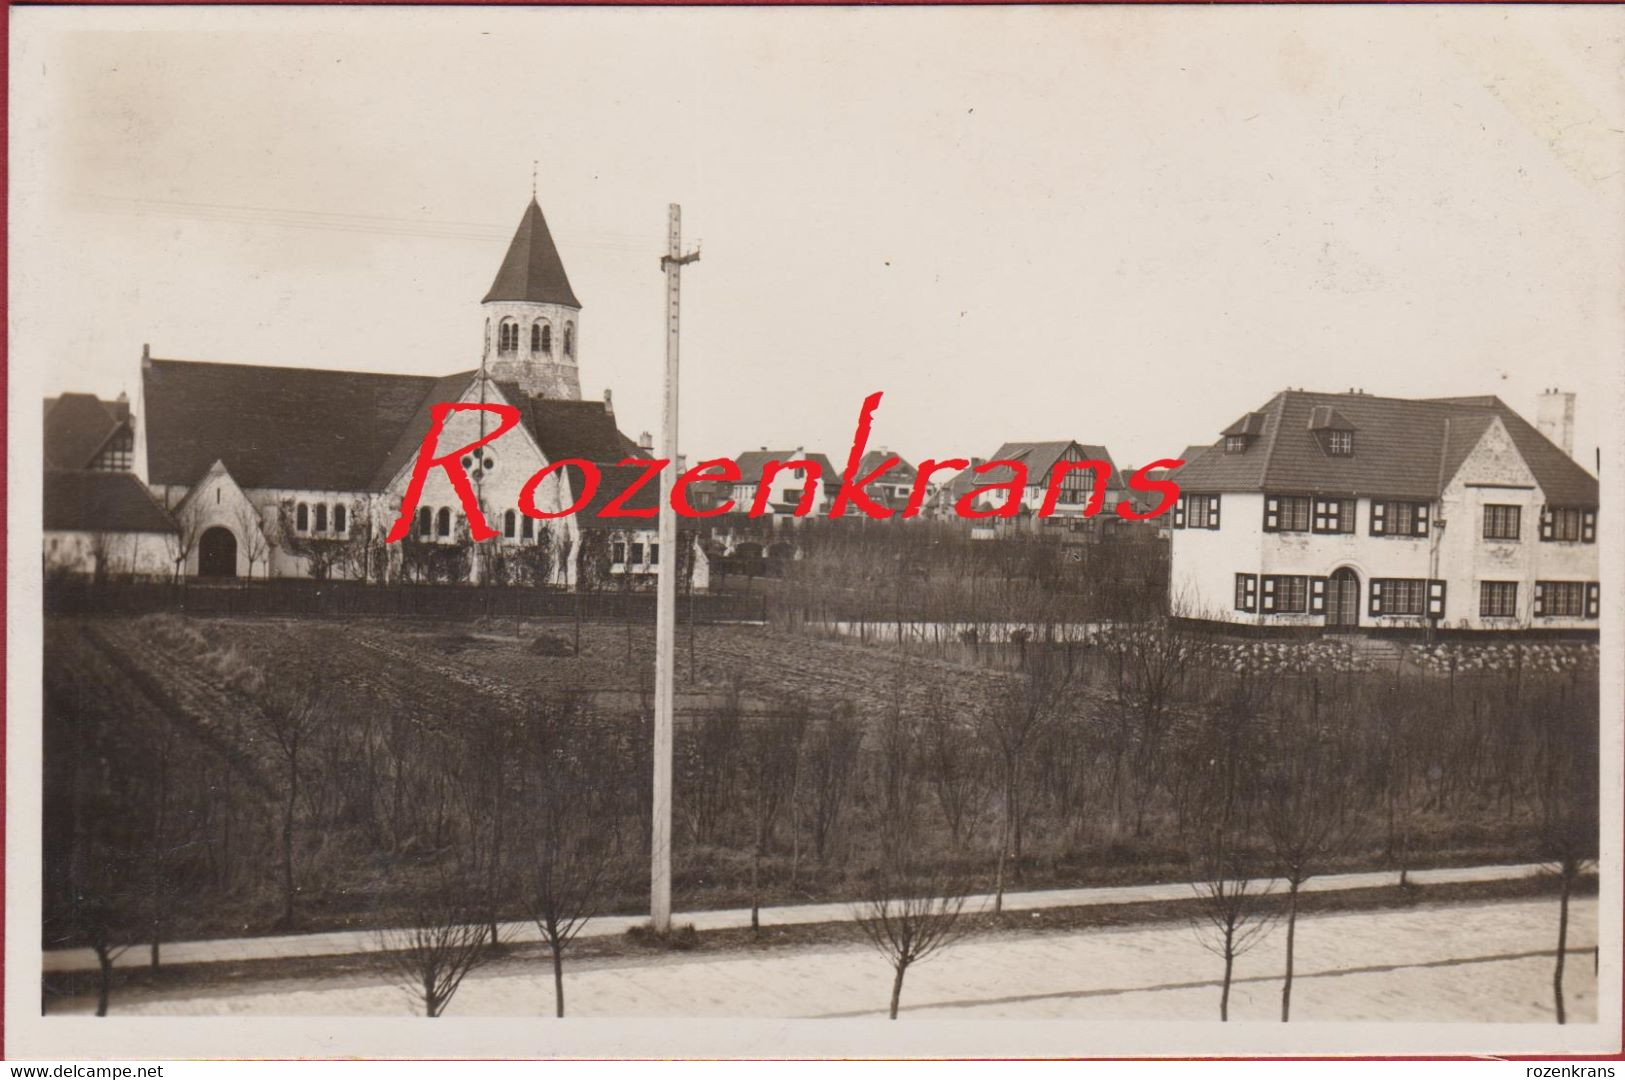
x=293 y=597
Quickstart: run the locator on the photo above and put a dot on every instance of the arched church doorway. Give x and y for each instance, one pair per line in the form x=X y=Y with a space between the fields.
x=217 y=553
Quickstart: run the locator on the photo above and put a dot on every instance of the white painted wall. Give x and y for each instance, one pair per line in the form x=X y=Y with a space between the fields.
x=143 y=554
x=1204 y=562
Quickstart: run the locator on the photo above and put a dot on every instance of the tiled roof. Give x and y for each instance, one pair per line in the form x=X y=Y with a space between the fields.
x=752 y=462
x=901 y=473
x=82 y=501
x=572 y=429
x=1403 y=448
x=77 y=426
x=532 y=269
x=1040 y=458
x=612 y=482
x=275 y=427
x=410 y=439
x=331 y=430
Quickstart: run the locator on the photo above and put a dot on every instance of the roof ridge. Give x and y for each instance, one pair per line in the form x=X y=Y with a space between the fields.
x=1275 y=439
x=315 y=370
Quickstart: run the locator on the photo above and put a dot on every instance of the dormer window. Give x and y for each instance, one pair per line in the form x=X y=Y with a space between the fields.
x=1333 y=430
x=1240 y=435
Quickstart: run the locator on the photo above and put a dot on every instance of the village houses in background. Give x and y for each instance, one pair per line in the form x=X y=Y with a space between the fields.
x=1342 y=511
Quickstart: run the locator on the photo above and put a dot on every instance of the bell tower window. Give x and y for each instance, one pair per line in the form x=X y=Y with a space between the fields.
x=569 y=339
x=508 y=336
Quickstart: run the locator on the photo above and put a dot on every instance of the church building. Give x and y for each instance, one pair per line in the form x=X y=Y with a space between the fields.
x=300 y=472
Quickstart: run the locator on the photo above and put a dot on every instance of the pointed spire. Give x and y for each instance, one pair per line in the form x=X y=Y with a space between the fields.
x=532 y=270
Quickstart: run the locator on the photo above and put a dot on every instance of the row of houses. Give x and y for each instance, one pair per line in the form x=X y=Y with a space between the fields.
x=789 y=486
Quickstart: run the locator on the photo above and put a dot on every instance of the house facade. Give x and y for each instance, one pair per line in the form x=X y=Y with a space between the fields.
x=1356 y=512
x=1077 y=489
x=786 y=487
x=299 y=472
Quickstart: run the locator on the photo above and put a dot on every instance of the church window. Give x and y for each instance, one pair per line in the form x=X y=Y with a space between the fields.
x=301 y=518
x=527 y=528
x=425 y=522
x=442 y=522
x=569 y=339
x=321 y=517
x=508 y=524
x=338 y=519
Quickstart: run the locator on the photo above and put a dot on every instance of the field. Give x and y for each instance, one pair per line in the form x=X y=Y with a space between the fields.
x=177 y=790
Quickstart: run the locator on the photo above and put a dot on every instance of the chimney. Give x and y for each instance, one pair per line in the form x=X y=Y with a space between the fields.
x=1554 y=416
x=146 y=355
x=646 y=441
x=123 y=396
x=609 y=402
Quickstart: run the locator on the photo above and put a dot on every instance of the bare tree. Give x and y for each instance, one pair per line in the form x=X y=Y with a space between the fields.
x=1231 y=917
x=958 y=771
x=770 y=750
x=831 y=758
x=1567 y=794
x=1011 y=727
x=1306 y=814
x=443 y=943
x=292 y=707
x=256 y=546
x=571 y=808
x=188 y=530
x=909 y=911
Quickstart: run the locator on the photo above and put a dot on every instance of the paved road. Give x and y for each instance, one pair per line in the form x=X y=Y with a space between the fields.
x=1488 y=961
x=350 y=942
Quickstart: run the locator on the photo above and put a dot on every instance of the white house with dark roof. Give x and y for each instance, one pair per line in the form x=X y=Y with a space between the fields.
x=280 y=471
x=104 y=523
x=1039 y=460
x=1351 y=511
x=785 y=486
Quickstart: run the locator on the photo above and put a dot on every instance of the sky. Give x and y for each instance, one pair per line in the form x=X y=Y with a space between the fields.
x=1123 y=226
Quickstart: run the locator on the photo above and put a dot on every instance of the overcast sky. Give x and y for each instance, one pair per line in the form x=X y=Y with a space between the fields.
x=1125 y=226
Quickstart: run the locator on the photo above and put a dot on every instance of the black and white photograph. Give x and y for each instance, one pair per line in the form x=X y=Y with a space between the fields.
x=1033 y=531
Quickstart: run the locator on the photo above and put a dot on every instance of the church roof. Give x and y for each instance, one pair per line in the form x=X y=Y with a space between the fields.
x=276 y=427
x=571 y=429
x=532 y=269
x=77 y=426
x=79 y=501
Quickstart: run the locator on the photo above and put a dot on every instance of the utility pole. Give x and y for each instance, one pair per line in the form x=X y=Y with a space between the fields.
x=666 y=597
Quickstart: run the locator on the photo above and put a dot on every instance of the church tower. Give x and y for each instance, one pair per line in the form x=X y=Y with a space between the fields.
x=532 y=317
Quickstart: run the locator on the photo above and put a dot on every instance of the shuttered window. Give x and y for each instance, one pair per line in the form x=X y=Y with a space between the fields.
x=1247 y=592
x=1287 y=513
x=1560 y=599
x=1393 y=518
x=1334 y=515
x=1568 y=523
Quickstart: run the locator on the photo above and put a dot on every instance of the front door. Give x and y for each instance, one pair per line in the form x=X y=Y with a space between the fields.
x=1343 y=598
x=217 y=553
